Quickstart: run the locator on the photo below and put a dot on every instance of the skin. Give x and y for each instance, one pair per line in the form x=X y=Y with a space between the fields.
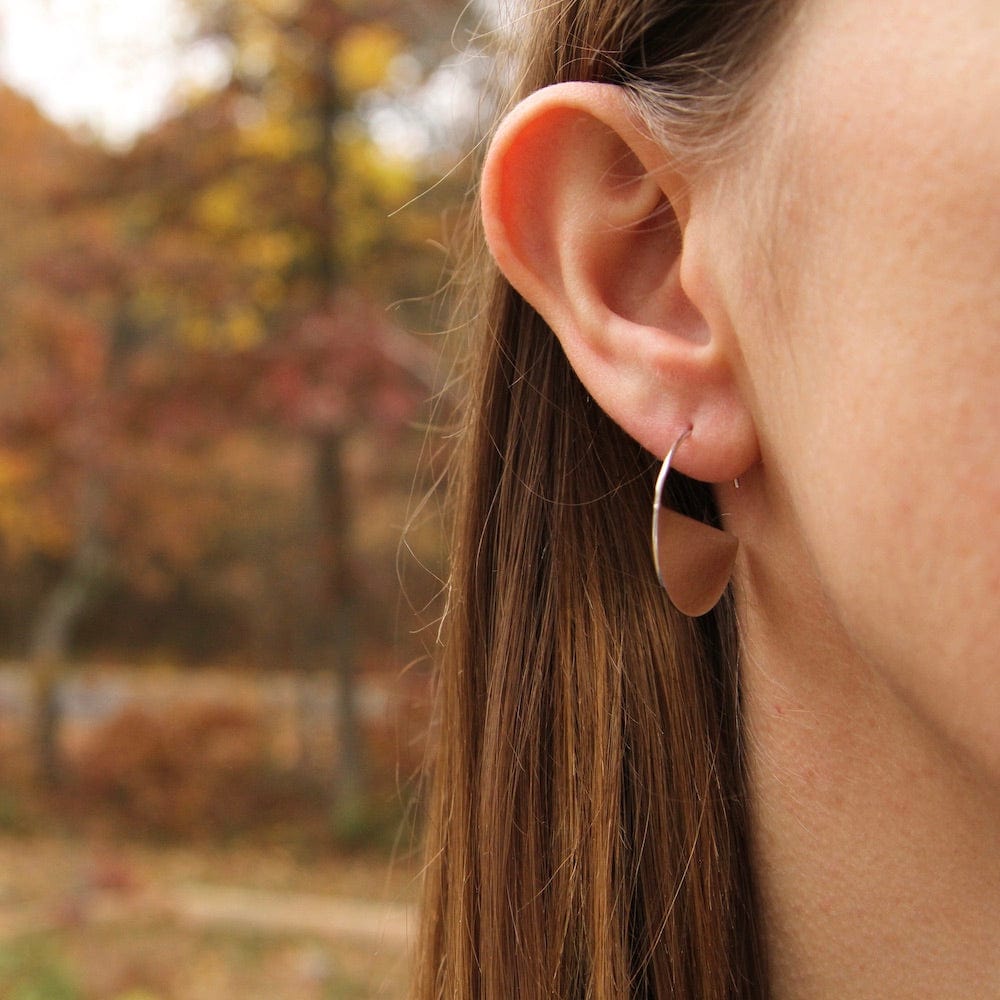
x=829 y=324
x=872 y=365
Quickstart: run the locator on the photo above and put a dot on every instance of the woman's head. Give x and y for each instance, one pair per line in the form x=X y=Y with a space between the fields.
x=774 y=223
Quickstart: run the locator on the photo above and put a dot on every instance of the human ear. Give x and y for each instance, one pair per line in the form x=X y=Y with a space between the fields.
x=591 y=221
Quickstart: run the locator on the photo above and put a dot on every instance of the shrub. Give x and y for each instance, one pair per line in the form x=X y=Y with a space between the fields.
x=199 y=769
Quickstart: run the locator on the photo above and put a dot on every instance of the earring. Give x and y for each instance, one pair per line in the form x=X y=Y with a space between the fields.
x=693 y=560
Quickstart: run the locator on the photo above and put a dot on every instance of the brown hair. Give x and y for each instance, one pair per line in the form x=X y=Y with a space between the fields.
x=588 y=828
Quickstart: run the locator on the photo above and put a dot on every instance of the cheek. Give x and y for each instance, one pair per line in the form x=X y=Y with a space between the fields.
x=884 y=437
x=878 y=384
x=897 y=517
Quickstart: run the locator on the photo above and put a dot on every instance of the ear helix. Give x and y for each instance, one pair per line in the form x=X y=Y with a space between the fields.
x=693 y=560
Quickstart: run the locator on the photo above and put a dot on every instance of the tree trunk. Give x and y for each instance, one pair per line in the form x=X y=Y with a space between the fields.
x=340 y=587
x=56 y=622
x=331 y=478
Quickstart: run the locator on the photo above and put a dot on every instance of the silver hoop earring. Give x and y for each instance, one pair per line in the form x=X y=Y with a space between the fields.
x=693 y=560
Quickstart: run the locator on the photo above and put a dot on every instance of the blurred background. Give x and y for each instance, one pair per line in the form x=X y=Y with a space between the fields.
x=223 y=259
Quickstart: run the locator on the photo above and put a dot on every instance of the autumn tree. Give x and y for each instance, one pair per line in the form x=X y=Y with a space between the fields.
x=54 y=360
x=215 y=284
x=301 y=193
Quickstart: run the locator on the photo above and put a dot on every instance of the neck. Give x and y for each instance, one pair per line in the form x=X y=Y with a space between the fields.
x=875 y=842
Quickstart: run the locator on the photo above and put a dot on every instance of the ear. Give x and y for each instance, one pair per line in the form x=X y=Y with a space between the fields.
x=593 y=224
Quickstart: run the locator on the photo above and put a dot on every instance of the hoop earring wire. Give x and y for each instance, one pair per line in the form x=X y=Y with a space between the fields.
x=693 y=560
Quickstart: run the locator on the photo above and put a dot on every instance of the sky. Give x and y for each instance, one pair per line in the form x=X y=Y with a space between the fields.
x=112 y=68
x=108 y=66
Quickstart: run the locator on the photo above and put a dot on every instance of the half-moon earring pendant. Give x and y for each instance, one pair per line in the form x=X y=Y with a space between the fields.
x=693 y=561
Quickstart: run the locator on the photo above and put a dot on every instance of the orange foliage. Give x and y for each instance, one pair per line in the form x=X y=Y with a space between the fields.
x=202 y=769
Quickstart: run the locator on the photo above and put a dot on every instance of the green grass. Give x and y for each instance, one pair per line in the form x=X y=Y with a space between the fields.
x=31 y=969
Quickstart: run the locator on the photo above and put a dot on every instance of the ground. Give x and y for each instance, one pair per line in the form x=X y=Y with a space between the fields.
x=97 y=919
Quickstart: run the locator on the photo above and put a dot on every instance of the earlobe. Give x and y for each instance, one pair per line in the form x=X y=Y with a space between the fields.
x=587 y=218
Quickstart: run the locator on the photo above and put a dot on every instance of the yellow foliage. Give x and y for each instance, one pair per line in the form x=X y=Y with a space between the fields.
x=269 y=291
x=243 y=328
x=27 y=523
x=150 y=306
x=378 y=184
x=281 y=7
x=223 y=206
x=240 y=328
x=28 y=527
x=361 y=61
x=356 y=236
x=15 y=470
x=395 y=181
x=275 y=138
x=196 y=332
x=272 y=251
x=390 y=180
